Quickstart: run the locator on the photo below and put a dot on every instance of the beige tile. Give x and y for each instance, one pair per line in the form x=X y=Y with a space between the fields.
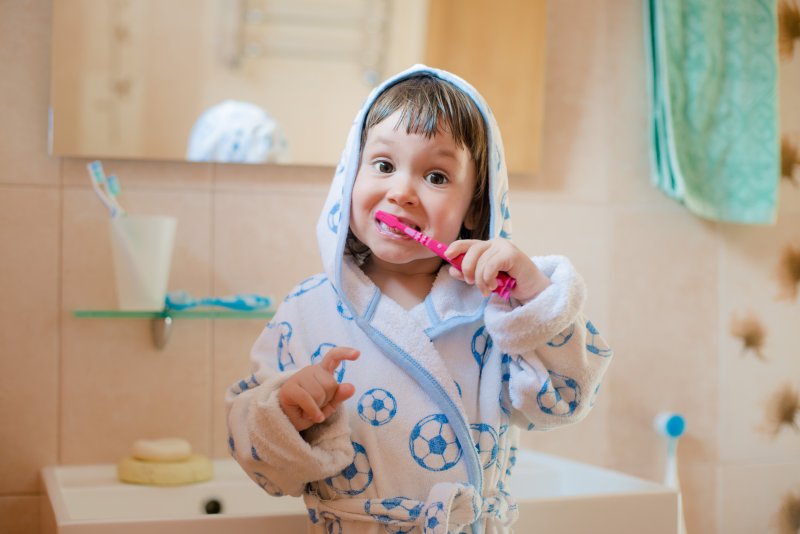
x=750 y=495
x=87 y=269
x=628 y=123
x=275 y=179
x=24 y=94
x=664 y=317
x=698 y=482
x=789 y=194
x=116 y=387
x=263 y=242
x=748 y=284
x=19 y=514
x=574 y=155
x=29 y=334
x=789 y=117
x=141 y=175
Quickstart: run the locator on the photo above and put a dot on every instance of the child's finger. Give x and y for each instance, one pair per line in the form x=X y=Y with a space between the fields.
x=487 y=269
x=455 y=273
x=333 y=357
x=459 y=247
x=303 y=399
x=344 y=392
x=470 y=260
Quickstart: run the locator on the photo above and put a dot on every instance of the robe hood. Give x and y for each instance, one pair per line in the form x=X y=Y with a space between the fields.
x=354 y=289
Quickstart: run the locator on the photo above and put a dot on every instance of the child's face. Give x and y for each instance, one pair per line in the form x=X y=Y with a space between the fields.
x=428 y=183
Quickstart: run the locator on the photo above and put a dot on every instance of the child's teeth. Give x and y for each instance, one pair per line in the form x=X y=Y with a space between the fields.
x=385 y=226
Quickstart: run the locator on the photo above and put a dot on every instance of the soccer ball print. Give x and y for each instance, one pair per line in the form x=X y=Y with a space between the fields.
x=377 y=407
x=435 y=519
x=354 y=478
x=560 y=395
x=562 y=338
x=595 y=344
x=393 y=510
x=433 y=443
x=485 y=439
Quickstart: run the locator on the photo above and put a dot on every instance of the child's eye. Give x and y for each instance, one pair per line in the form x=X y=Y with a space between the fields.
x=383 y=166
x=436 y=178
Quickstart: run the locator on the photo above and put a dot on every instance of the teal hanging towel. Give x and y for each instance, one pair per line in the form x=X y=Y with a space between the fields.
x=713 y=89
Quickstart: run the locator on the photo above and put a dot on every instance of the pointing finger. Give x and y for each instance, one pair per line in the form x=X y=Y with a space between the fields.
x=335 y=356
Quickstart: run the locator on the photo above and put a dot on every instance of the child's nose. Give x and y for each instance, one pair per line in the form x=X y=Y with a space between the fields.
x=402 y=191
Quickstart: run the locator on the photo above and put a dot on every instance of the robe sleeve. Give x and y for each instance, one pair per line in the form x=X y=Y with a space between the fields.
x=553 y=357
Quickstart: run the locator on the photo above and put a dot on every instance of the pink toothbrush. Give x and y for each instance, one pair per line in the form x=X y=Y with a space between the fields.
x=505 y=283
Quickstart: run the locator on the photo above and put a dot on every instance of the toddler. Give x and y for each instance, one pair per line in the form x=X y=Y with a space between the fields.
x=389 y=391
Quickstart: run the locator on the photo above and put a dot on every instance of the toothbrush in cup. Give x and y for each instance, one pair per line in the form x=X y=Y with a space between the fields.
x=106 y=188
x=505 y=283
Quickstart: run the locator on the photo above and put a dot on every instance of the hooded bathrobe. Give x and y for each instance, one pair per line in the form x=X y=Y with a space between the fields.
x=428 y=441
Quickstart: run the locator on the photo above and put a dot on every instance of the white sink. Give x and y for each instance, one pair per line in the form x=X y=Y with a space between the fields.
x=554 y=496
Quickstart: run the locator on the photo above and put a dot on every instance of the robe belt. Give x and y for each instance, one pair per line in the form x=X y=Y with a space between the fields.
x=451 y=507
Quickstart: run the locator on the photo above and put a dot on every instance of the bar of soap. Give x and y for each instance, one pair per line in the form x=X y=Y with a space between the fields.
x=161 y=450
x=195 y=468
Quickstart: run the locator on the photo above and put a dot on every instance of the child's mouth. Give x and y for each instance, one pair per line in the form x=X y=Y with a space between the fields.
x=385 y=229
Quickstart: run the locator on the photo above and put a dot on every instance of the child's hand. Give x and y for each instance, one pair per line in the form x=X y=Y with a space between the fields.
x=483 y=260
x=312 y=393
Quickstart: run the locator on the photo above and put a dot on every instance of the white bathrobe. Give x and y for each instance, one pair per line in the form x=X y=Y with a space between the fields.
x=428 y=441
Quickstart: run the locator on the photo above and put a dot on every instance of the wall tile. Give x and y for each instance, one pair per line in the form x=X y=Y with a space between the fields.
x=265 y=243
x=19 y=515
x=29 y=335
x=663 y=314
x=698 y=482
x=748 y=285
x=272 y=179
x=789 y=117
x=575 y=97
x=750 y=495
x=118 y=388
x=24 y=94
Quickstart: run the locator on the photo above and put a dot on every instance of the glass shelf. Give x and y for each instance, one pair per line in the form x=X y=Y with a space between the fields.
x=175 y=314
x=161 y=321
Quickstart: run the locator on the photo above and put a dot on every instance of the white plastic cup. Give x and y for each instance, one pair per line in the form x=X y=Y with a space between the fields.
x=142 y=249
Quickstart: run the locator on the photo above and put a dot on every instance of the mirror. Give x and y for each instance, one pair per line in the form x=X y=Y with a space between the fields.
x=255 y=81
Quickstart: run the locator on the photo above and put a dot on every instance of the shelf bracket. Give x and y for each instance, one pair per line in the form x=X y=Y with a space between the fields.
x=161 y=329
